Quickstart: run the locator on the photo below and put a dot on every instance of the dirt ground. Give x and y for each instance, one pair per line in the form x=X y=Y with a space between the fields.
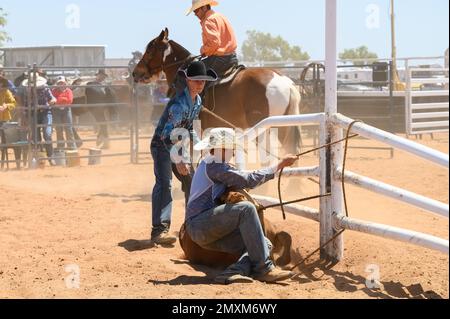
x=56 y=220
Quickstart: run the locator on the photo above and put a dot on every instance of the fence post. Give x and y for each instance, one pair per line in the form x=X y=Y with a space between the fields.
x=136 y=122
x=330 y=158
x=29 y=115
x=133 y=128
x=408 y=100
x=35 y=109
x=391 y=96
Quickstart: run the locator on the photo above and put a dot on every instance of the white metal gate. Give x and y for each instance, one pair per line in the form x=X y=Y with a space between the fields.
x=426 y=117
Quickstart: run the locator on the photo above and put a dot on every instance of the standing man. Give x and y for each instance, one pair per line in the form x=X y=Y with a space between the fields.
x=45 y=101
x=97 y=93
x=11 y=87
x=219 y=40
x=180 y=113
x=7 y=101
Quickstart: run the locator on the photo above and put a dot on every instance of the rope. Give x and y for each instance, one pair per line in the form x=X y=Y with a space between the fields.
x=217 y=117
x=281 y=204
x=221 y=119
x=295 y=201
x=348 y=137
x=303 y=154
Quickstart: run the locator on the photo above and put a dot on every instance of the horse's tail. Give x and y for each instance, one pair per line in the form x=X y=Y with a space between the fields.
x=294 y=136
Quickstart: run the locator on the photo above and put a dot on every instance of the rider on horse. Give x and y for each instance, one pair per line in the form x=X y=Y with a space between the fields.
x=219 y=41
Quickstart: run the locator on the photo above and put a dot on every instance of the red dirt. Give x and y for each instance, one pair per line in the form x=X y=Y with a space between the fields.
x=55 y=217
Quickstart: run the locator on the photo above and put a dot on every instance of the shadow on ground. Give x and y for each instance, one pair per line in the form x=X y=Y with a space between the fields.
x=133 y=245
x=349 y=282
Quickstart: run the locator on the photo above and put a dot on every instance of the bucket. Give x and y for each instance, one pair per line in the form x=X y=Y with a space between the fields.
x=60 y=157
x=95 y=156
x=41 y=162
x=73 y=159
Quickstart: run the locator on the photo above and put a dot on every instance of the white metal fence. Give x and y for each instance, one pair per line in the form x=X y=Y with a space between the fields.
x=339 y=220
x=426 y=116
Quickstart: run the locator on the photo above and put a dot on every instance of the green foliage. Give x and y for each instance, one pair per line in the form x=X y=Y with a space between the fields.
x=261 y=46
x=3 y=35
x=362 y=53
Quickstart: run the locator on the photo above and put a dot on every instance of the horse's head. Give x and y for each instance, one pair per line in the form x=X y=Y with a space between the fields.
x=154 y=57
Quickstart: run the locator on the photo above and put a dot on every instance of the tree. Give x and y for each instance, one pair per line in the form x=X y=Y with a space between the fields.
x=3 y=35
x=362 y=53
x=261 y=46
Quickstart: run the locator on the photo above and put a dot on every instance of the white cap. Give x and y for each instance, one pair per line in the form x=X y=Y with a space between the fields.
x=61 y=79
x=218 y=138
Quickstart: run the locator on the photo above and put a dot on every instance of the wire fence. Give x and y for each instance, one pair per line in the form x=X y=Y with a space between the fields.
x=366 y=92
x=30 y=129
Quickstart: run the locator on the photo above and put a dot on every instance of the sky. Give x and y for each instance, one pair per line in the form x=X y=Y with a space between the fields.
x=126 y=26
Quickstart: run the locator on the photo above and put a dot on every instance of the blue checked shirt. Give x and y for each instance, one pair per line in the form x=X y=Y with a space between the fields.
x=211 y=180
x=179 y=113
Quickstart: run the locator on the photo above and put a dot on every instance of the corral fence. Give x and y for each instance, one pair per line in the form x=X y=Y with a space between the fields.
x=365 y=91
x=426 y=108
x=329 y=170
x=331 y=215
x=126 y=117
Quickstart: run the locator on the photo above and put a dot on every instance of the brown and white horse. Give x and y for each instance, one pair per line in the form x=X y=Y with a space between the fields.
x=252 y=96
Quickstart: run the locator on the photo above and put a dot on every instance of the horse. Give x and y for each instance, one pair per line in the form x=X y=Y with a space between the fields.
x=116 y=95
x=253 y=94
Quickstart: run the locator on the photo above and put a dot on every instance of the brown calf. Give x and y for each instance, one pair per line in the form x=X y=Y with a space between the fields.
x=281 y=241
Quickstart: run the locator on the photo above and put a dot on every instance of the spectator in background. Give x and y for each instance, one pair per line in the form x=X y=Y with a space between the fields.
x=62 y=114
x=137 y=56
x=79 y=98
x=7 y=101
x=160 y=95
x=97 y=93
x=45 y=100
x=11 y=87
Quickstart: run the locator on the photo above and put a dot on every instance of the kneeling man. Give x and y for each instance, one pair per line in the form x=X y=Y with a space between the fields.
x=231 y=228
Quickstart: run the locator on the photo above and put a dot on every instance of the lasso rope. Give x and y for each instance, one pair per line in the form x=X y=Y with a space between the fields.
x=281 y=204
x=303 y=154
x=345 y=199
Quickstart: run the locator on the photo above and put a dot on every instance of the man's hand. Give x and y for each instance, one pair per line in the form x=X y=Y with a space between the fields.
x=183 y=169
x=3 y=107
x=287 y=161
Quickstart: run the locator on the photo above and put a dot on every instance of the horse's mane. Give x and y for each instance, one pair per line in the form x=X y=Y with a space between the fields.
x=178 y=47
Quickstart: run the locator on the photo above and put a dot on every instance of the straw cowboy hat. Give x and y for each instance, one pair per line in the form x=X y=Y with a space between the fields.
x=197 y=72
x=40 y=81
x=197 y=4
x=219 y=138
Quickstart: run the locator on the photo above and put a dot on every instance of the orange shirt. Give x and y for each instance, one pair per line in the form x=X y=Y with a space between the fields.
x=218 y=35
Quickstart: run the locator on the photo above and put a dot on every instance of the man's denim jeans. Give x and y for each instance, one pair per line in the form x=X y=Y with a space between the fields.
x=234 y=229
x=45 y=119
x=162 y=192
x=64 y=117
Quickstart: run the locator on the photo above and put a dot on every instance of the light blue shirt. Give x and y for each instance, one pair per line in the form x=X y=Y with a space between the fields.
x=181 y=112
x=211 y=181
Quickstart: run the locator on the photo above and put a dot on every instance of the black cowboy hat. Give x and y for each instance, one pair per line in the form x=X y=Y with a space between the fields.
x=197 y=72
